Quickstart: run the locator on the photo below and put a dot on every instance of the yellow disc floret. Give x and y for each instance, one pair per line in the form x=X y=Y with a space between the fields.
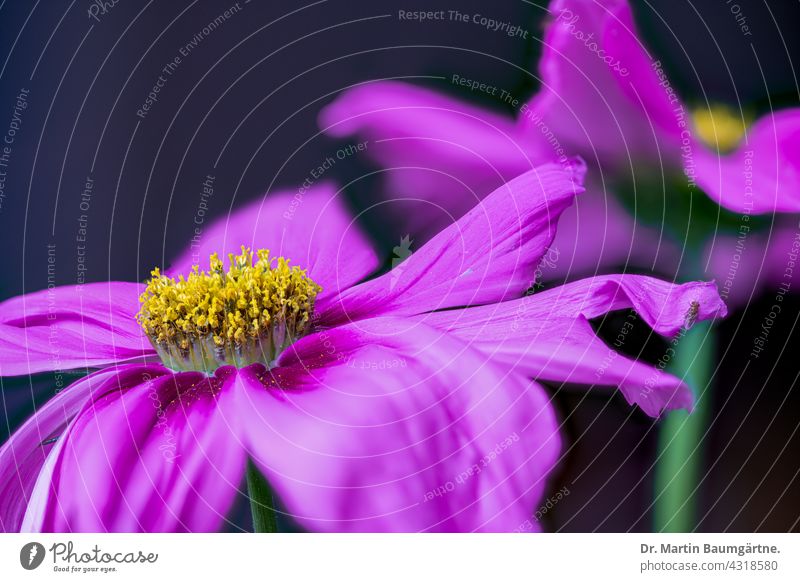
x=247 y=314
x=719 y=126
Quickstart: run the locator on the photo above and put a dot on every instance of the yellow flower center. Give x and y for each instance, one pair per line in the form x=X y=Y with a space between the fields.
x=719 y=126
x=249 y=313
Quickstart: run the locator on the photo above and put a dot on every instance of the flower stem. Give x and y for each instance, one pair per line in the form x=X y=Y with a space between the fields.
x=262 y=504
x=679 y=464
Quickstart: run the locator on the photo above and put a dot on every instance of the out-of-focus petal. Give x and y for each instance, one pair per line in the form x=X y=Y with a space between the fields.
x=150 y=453
x=763 y=174
x=490 y=254
x=548 y=336
x=597 y=233
x=74 y=327
x=398 y=431
x=750 y=262
x=310 y=227
x=439 y=155
x=601 y=93
x=407 y=125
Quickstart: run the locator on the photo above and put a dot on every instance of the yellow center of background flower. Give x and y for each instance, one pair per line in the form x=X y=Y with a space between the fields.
x=247 y=314
x=719 y=126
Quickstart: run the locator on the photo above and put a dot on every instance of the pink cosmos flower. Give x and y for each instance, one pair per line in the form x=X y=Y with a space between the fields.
x=604 y=96
x=408 y=402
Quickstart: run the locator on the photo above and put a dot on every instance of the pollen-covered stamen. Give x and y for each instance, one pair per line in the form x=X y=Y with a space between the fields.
x=247 y=314
x=719 y=127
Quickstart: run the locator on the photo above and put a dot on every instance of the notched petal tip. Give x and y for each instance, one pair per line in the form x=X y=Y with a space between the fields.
x=577 y=167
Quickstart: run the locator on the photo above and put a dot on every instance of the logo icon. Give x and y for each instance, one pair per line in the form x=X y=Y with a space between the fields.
x=31 y=555
x=401 y=253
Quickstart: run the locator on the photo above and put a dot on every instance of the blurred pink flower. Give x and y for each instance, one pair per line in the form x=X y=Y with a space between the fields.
x=603 y=96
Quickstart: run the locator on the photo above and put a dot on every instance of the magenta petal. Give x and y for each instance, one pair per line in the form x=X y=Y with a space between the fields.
x=566 y=350
x=310 y=227
x=64 y=328
x=24 y=454
x=601 y=94
x=597 y=233
x=662 y=305
x=440 y=155
x=384 y=429
x=490 y=254
x=763 y=174
x=745 y=265
x=151 y=453
x=548 y=336
x=408 y=125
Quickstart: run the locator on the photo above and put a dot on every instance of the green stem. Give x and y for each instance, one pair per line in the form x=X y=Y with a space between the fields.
x=262 y=504
x=679 y=464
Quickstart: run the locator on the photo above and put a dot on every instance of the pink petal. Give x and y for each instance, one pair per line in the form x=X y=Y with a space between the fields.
x=740 y=269
x=763 y=174
x=547 y=335
x=379 y=429
x=310 y=227
x=23 y=455
x=441 y=155
x=488 y=255
x=626 y=109
x=151 y=453
x=601 y=94
x=64 y=328
x=746 y=264
x=662 y=305
x=597 y=234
